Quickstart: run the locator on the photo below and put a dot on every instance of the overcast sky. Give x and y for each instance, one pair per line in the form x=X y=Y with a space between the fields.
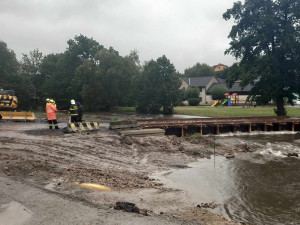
x=186 y=31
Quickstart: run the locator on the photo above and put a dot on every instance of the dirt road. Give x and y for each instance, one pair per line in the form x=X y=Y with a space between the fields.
x=41 y=169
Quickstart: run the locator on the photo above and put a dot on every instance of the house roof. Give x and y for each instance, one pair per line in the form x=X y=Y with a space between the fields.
x=235 y=87
x=220 y=80
x=198 y=81
x=220 y=64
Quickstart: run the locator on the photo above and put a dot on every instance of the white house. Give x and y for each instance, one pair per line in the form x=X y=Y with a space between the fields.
x=206 y=84
x=203 y=83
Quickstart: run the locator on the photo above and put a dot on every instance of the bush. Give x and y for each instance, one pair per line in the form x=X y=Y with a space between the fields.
x=194 y=101
x=191 y=92
x=167 y=110
x=218 y=92
x=197 y=135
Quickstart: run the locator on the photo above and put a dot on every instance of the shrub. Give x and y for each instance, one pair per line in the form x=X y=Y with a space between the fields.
x=191 y=92
x=194 y=101
x=197 y=135
x=218 y=92
x=167 y=110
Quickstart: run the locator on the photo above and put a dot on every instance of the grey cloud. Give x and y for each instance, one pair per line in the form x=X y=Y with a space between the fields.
x=187 y=32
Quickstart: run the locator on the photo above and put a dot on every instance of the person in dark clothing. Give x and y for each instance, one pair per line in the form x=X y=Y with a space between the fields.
x=80 y=111
x=73 y=111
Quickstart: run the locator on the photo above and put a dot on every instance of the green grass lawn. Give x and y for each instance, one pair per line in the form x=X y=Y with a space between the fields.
x=233 y=111
x=207 y=111
x=224 y=111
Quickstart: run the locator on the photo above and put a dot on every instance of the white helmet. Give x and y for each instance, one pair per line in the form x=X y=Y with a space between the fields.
x=47 y=99
x=72 y=101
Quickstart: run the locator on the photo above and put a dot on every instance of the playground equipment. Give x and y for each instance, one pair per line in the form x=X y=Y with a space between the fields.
x=232 y=99
x=224 y=102
x=215 y=103
x=229 y=100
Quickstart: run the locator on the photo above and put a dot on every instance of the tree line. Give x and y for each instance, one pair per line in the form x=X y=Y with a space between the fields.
x=98 y=77
x=265 y=39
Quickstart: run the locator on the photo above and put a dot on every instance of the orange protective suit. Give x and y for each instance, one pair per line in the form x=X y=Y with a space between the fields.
x=51 y=109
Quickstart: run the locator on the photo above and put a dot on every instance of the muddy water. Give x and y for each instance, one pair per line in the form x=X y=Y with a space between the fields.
x=257 y=188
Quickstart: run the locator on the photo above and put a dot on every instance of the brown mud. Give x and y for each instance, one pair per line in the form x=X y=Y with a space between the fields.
x=57 y=162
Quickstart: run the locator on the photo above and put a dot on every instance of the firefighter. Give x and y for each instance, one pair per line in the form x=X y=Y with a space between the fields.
x=53 y=102
x=73 y=111
x=80 y=111
x=51 y=116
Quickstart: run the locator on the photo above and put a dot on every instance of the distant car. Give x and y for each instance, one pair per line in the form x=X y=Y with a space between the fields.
x=296 y=101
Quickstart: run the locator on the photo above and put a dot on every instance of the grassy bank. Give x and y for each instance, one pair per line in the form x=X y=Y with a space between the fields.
x=232 y=111
x=207 y=111
x=223 y=111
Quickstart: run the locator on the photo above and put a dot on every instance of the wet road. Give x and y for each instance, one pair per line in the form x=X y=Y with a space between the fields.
x=22 y=204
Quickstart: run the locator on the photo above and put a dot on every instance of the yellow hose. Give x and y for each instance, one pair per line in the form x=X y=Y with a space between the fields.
x=94 y=186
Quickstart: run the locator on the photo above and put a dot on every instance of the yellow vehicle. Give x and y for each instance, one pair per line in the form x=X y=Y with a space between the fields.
x=9 y=105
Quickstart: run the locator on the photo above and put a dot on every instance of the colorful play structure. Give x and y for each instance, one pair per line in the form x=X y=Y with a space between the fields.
x=229 y=100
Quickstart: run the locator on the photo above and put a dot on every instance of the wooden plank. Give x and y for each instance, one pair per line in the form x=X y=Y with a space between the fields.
x=143 y=132
x=123 y=124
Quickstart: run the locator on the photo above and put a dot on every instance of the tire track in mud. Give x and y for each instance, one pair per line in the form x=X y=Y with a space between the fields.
x=103 y=156
x=69 y=151
x=74 y=172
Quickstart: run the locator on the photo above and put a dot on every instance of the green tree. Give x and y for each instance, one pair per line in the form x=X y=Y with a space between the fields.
x=157 y=87
x=60 y=70
x=192 y=92
x=30 y=64
x=107 y=80
x=10 y=77
x=222 y=73
x=266 y=39
x=199 y=70
x=218 y=92
x=31 y=67
x=82 y=47
x=192 y=95
x=9 y=66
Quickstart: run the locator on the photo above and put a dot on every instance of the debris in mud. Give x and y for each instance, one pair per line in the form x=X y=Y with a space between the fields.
x=245 y=148
x=127 y=140
x=45 y=132
x=130 y=207
x=210 y=205
x=229 y=156
x=180 y=166
x=181 y=148
x=292 y=154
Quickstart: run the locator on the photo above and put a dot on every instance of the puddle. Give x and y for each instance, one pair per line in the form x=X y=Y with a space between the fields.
x=14 y=214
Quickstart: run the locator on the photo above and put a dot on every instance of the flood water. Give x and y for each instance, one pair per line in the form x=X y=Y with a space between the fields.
x=256 y=188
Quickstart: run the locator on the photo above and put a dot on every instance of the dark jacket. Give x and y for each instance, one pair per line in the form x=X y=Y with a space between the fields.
x=73 y=110
x=80 y=111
